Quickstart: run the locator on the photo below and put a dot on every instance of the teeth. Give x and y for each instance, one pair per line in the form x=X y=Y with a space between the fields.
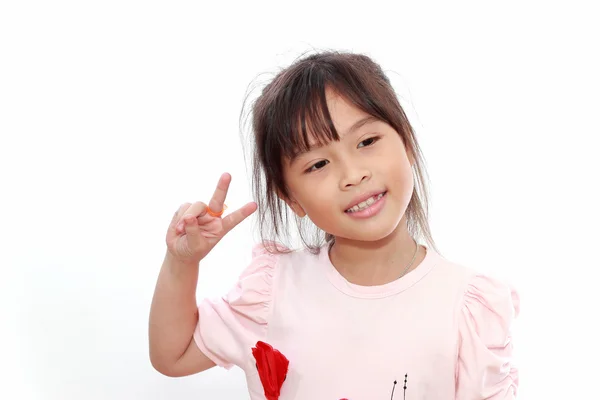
x=365 y=204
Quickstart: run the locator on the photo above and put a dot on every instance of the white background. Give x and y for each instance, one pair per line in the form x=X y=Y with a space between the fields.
x=114 y=113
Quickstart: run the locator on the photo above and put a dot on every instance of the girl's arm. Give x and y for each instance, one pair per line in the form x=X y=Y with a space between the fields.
x=173 y=318
x=192 y=234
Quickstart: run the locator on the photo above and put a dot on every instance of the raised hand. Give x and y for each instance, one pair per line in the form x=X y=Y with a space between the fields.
x=193 y=232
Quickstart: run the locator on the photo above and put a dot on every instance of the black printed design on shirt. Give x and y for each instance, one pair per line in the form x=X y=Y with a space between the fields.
x=404 y=387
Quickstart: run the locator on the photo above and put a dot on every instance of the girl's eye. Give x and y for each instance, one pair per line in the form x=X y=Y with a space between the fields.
x=369 y=141
x=317 y=166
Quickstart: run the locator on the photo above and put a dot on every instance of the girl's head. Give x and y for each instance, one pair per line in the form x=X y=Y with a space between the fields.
x=329 y=130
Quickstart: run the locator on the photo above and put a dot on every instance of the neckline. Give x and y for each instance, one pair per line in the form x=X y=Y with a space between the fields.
x=377 y=291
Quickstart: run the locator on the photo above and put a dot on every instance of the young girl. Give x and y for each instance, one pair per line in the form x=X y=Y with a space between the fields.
x=365 y=311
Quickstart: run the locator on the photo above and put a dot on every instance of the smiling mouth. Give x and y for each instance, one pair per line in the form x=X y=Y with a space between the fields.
x=365 y=204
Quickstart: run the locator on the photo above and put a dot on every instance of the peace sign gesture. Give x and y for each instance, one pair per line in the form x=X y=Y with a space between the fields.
x=194 y=232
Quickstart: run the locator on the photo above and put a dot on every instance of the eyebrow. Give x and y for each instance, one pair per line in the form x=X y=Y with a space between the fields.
x=356 y=126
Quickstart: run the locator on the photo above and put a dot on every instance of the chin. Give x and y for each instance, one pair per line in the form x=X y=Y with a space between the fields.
x=373 y=234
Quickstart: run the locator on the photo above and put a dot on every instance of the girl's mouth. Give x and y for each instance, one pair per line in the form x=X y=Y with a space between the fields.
x=365 y=205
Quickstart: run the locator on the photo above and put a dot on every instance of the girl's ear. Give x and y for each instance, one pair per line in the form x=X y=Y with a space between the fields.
x=296 y=208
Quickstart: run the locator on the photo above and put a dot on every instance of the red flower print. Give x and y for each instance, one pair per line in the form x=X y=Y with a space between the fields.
x=272 y=368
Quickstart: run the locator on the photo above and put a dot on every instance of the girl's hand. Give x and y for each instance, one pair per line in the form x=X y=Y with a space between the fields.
x=193 y=232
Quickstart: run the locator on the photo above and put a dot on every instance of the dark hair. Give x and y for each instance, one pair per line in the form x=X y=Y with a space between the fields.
x=293 y=103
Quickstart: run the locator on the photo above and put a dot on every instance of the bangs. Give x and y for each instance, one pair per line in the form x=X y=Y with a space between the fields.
x=304 y=115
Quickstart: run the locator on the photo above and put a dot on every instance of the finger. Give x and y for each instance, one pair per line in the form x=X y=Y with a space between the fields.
x=233 y=219
x=218 y=199
x=178 y=214
x=191 y=228
x=196 y=210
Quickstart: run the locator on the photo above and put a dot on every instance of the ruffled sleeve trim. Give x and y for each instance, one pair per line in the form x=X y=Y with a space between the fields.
x=229 y=325
x=252 y=294
x=485 y=368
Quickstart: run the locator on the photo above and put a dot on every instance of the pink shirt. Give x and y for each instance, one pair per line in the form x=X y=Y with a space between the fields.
x=442 y=327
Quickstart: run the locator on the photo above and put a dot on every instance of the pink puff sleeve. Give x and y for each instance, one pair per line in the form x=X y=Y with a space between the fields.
x=485 y=367
x=228 y=327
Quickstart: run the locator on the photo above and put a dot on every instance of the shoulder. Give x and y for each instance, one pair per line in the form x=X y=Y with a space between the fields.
x=277 y=258
x=269 y=261
x=482 y=293
x=474 y=287
x=281 y=271
x=478 y=299
x=252 y=293
x=268 y=256
x=489 y=307
x=259 y=273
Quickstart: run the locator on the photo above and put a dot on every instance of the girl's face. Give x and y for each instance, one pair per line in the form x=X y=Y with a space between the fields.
x=370 y=158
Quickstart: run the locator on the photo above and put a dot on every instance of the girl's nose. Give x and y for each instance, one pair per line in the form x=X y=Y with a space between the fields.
x=354 y=176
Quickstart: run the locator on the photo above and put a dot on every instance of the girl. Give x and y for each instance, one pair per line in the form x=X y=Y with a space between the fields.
x=365 y=311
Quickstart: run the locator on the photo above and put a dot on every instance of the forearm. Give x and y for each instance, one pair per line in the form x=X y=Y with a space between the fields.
x=174 y=313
